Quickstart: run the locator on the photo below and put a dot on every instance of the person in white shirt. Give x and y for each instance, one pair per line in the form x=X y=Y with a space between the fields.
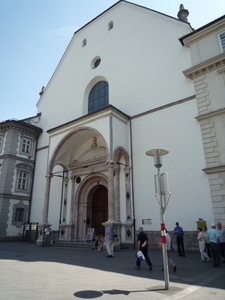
x=168 y=248
x=201 y=243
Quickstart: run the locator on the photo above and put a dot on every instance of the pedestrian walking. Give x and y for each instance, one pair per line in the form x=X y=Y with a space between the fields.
x=169 y=249
x=178 y=231
x=142 y=245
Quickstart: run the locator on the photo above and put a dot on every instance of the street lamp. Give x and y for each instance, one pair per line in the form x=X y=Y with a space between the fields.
x=157 y=158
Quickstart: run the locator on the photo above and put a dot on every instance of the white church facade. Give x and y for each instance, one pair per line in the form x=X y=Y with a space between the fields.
x=125 y=85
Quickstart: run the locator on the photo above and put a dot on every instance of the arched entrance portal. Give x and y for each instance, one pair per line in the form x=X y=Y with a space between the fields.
x=99 y=209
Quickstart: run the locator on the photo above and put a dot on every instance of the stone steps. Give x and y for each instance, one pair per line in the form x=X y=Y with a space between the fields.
x=79 y=245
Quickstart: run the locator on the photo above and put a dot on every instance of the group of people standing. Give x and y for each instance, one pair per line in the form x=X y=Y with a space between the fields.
x=211 y=244
x=214 y=239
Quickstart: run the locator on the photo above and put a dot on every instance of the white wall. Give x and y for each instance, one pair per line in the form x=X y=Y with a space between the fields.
x=176 y=130
x=134 y=60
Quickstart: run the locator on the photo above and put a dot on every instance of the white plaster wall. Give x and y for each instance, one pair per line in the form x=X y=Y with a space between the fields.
x=121 y=134
x=135 y=62
x=39 y=186
x=177 y=130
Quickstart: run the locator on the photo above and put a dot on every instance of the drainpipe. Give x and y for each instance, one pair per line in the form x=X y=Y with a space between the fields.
x=132 y=180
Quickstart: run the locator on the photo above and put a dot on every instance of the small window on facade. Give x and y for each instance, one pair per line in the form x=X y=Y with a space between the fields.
x=98 y=97
x=23 y=181
x=19 y=214
x=1 y=142
x=222 y=41
x=26 y=146
x=95 y=62
x=110 y=26
x=84 y=42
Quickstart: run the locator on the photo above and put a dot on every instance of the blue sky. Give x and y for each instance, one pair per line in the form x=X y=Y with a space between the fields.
x=35 y=34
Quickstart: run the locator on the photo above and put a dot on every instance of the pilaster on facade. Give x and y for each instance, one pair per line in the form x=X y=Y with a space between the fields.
x=217 y=188
x=111 y=191
x=202 y=94
x=211 y=131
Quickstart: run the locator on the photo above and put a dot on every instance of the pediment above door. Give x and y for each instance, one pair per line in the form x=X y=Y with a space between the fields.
x=91 y=156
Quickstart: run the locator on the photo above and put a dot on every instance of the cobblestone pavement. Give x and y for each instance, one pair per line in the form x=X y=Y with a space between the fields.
x=31 y=272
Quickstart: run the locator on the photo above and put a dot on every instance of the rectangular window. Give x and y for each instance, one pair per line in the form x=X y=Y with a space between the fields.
x=26 y=146
x=23 y=181
x=222 y=41
x=1 y=142
x=19 y=214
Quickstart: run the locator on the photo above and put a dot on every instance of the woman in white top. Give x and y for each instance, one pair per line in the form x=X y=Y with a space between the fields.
x=201 y=243
x=168 y=248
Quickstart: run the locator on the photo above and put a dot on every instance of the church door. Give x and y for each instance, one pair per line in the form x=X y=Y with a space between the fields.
x=100 y=209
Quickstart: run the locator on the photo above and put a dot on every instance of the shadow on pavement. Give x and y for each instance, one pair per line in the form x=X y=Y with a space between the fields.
x=190 y=270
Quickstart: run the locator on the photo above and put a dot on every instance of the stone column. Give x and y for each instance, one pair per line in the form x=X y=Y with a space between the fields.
x=117 y=192
x=64 y=229
x=111 y=194
x=128 y=193
x=66 y=180
x=70 y=226
x=72 y=200
x=43 y=225
x=129 y=223
x=46 y=202
x=76 y=217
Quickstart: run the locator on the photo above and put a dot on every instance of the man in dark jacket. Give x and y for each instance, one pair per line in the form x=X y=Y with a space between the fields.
x=142 y=238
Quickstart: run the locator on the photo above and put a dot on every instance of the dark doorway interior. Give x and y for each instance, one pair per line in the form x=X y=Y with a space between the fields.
x=100 y=209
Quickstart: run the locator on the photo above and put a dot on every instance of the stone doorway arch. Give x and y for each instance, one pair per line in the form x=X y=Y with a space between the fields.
x=98 y=206
x=83 y=203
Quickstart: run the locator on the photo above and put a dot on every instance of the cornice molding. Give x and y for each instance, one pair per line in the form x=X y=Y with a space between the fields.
x=196 y=35
x=20 y=128
x=214 y=170
x=206 y=67
x=211 y=114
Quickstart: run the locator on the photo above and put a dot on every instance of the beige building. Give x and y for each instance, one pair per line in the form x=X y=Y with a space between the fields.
x=207 y=48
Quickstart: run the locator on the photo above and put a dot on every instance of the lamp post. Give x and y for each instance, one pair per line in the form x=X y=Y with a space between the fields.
x=157 y=158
